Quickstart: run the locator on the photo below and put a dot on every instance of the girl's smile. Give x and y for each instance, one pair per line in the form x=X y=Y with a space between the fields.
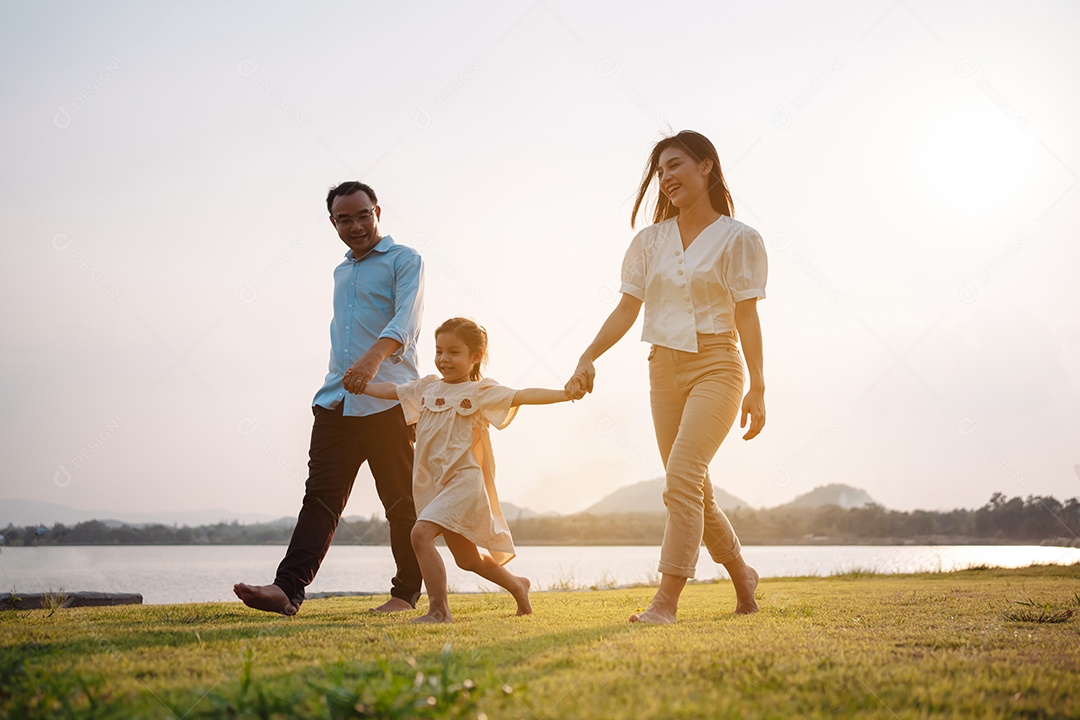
x=453 y=358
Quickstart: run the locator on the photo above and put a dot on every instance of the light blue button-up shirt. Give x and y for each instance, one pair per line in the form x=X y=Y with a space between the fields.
x=380 y=295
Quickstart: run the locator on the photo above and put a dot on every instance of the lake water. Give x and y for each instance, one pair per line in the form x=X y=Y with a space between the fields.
x=180 y=574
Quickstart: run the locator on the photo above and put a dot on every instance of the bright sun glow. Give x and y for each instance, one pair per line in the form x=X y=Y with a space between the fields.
x=974 y=159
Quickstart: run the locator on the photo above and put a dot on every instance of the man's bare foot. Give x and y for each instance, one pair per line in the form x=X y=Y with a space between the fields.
x=522 y=596
x=393 y=605
x=745 y=584
x=269 y=598
x=654 y=616
x=434 y=616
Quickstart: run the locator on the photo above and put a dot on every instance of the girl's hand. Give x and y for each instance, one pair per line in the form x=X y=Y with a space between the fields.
x=754 y=406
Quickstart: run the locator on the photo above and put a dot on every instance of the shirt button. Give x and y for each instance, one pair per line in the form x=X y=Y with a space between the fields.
x=680 y=272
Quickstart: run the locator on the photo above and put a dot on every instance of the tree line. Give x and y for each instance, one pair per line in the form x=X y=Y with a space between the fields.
x=373 y=531
x=1033 y=519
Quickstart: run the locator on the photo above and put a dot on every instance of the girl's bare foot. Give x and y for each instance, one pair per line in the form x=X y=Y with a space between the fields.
x=522 y=596
x=394 y=604
x=434 y=616
x=745 y=584
x=269 y=598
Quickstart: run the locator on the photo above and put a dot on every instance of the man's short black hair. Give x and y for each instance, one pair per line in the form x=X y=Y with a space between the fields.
x=349 y=187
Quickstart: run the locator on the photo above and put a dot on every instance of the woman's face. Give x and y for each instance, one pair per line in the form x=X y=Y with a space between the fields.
x=682 y=180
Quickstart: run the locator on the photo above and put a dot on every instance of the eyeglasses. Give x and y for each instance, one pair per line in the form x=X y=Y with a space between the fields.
x=362 y=218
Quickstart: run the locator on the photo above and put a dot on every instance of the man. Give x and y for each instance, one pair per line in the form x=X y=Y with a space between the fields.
x=378 y=299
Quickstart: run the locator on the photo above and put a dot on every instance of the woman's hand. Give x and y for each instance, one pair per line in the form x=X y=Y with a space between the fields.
x=575 y=388
x=582 y=381
x=754 y=406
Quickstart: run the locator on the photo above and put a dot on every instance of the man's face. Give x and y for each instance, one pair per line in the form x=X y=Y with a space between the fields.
x=357 y=221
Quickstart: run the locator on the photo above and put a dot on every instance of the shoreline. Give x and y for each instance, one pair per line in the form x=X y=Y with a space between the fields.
x=55 y=600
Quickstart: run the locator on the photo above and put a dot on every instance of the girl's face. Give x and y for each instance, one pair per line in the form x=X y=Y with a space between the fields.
x=683 y=180
x=453 y=358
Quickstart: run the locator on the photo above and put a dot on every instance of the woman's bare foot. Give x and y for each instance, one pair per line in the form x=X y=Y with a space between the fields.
x=394 y=604
x=655 y=615
x=665 y=602
x=269 y=598
x=522 y=596
x=434 y=616
x=745 y=584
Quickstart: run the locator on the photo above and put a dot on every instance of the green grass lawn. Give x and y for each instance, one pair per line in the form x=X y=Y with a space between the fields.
x=985 y=643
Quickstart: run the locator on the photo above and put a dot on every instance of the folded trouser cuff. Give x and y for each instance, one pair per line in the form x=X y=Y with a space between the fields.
x=724 y=558
x=676 y=570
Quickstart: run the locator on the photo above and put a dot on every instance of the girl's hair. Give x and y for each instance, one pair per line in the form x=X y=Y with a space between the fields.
x=698 y=147
x=474 y=337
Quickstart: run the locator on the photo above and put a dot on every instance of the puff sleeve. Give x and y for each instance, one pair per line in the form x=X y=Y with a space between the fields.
x=410 y=395
x=633 y=269
x=745 y=266
x=494 y=403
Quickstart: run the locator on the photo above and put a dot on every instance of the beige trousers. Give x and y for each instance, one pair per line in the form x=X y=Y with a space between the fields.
x=695 y=399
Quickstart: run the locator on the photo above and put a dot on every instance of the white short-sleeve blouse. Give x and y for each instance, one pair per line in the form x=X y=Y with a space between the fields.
x=693 y=291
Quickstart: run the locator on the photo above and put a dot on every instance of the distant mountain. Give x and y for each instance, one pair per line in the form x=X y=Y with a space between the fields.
x=845 y=496
x=514 y=512
x=22 y=512
x=648 y=496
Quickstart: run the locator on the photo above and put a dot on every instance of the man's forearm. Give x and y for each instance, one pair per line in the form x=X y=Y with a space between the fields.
x=363 y=370
x=382 y=349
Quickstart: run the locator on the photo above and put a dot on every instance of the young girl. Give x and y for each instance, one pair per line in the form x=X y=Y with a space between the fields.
x=454 y=470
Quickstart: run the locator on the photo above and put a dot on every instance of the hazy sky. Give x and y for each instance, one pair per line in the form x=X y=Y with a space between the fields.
x=166 y=276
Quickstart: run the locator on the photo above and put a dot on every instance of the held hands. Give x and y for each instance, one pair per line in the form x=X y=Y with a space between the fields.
x=359 y=375
x=575 y=388
x=754 y=406
x=582 y=381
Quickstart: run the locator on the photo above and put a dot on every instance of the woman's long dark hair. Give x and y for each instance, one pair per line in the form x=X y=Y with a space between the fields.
x=698 y=147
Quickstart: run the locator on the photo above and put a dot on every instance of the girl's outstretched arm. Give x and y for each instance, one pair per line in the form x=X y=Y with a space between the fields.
x=384 y=390
x=538 y=396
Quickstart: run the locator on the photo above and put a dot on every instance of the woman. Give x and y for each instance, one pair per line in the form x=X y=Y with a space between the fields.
x=699 y=274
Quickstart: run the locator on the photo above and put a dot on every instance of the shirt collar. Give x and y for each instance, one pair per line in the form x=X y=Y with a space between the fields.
x=380 y=247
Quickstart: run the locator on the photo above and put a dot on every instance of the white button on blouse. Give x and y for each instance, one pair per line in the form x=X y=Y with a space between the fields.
x=724 y=265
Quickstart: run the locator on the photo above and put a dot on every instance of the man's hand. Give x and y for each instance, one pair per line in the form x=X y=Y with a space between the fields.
x=359 y=375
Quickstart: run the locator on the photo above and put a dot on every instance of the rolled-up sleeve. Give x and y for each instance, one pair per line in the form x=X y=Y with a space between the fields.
x=633 y=269
x=404 y=327
x=746 y=266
